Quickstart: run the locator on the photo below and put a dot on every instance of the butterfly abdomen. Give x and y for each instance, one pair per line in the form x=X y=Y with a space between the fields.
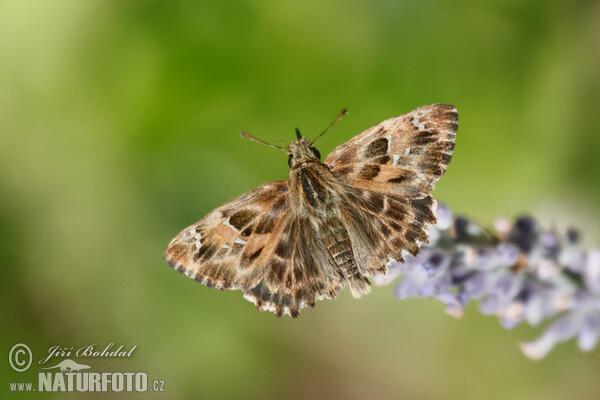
x=339 y=246
x=340 y=249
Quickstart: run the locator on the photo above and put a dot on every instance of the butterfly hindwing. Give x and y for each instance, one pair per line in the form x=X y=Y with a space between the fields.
x=385 y=226
x=390 y=170
x=298 y=273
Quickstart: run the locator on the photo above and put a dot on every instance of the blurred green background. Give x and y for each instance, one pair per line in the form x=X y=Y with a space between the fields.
x=119 y=126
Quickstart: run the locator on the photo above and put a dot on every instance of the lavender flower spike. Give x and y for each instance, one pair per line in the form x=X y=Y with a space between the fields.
x=519 y=272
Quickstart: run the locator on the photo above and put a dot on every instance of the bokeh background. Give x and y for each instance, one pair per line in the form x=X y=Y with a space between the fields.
x=119 y=126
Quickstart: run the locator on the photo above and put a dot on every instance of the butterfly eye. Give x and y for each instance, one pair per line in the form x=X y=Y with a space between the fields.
x=316 y=153
x=290 y=163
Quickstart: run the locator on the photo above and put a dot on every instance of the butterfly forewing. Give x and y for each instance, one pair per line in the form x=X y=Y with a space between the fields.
x=406 y=154
x=290 y=243
x=227 y=248
x=255 y=244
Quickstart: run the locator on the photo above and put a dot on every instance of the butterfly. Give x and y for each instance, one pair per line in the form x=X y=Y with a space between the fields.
x=287 y=244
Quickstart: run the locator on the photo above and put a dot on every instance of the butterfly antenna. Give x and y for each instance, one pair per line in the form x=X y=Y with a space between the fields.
x=342 y=113
x=248 y=136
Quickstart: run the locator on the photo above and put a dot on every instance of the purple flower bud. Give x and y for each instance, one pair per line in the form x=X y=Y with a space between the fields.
x=460 y=227
x=523 y=234
x=559 y=331
x=444 y=216
x=486 y=259
x=436 y=262
x=511 y=315
x=538 y=303
x=572 y=236
x=408 y=287
x=455 y=303
x=508 y=254
x=525 y=225
x=546 y=269
x=548 y=240
x=479 y=285
x=489 y=304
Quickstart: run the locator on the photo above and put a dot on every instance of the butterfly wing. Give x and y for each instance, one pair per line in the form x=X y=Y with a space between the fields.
x=390 y=170
x=404 y=155
x=299 y=272
x=255 y=244
x=385 y=226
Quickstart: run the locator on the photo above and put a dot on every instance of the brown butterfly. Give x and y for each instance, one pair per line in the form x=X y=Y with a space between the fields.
x=287 y=244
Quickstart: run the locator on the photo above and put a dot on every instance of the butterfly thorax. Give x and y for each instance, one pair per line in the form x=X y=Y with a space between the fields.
x=314 y=190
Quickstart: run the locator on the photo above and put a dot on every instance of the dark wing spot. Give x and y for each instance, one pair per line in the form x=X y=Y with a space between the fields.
x=396 y=211
x=298 y=274
x=369 y=171
x=283 y=249
x=403 y=177
x=425 y=137
x=433 y=169
x=277 y=270
x=385 y=231
x=345 y=170
x=446 y=158
x=248 y=231
x=423 y=209
x=415 y=232
x=278 y=205
x=255 y=255
x=266 y=224
x=262 y=294
x=398 y=179
x=377 y=148
x=241 y=218
x=382 y=159
x=376 y=200
x=206 y=252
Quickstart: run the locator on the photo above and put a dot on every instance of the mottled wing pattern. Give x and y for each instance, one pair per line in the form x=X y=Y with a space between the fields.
x=404 y=155
x=390 y=171
x=255 y=244
x=298 y=273
x=385 y=226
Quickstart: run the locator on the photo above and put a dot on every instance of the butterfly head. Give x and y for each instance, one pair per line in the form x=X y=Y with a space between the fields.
x=301 y=151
